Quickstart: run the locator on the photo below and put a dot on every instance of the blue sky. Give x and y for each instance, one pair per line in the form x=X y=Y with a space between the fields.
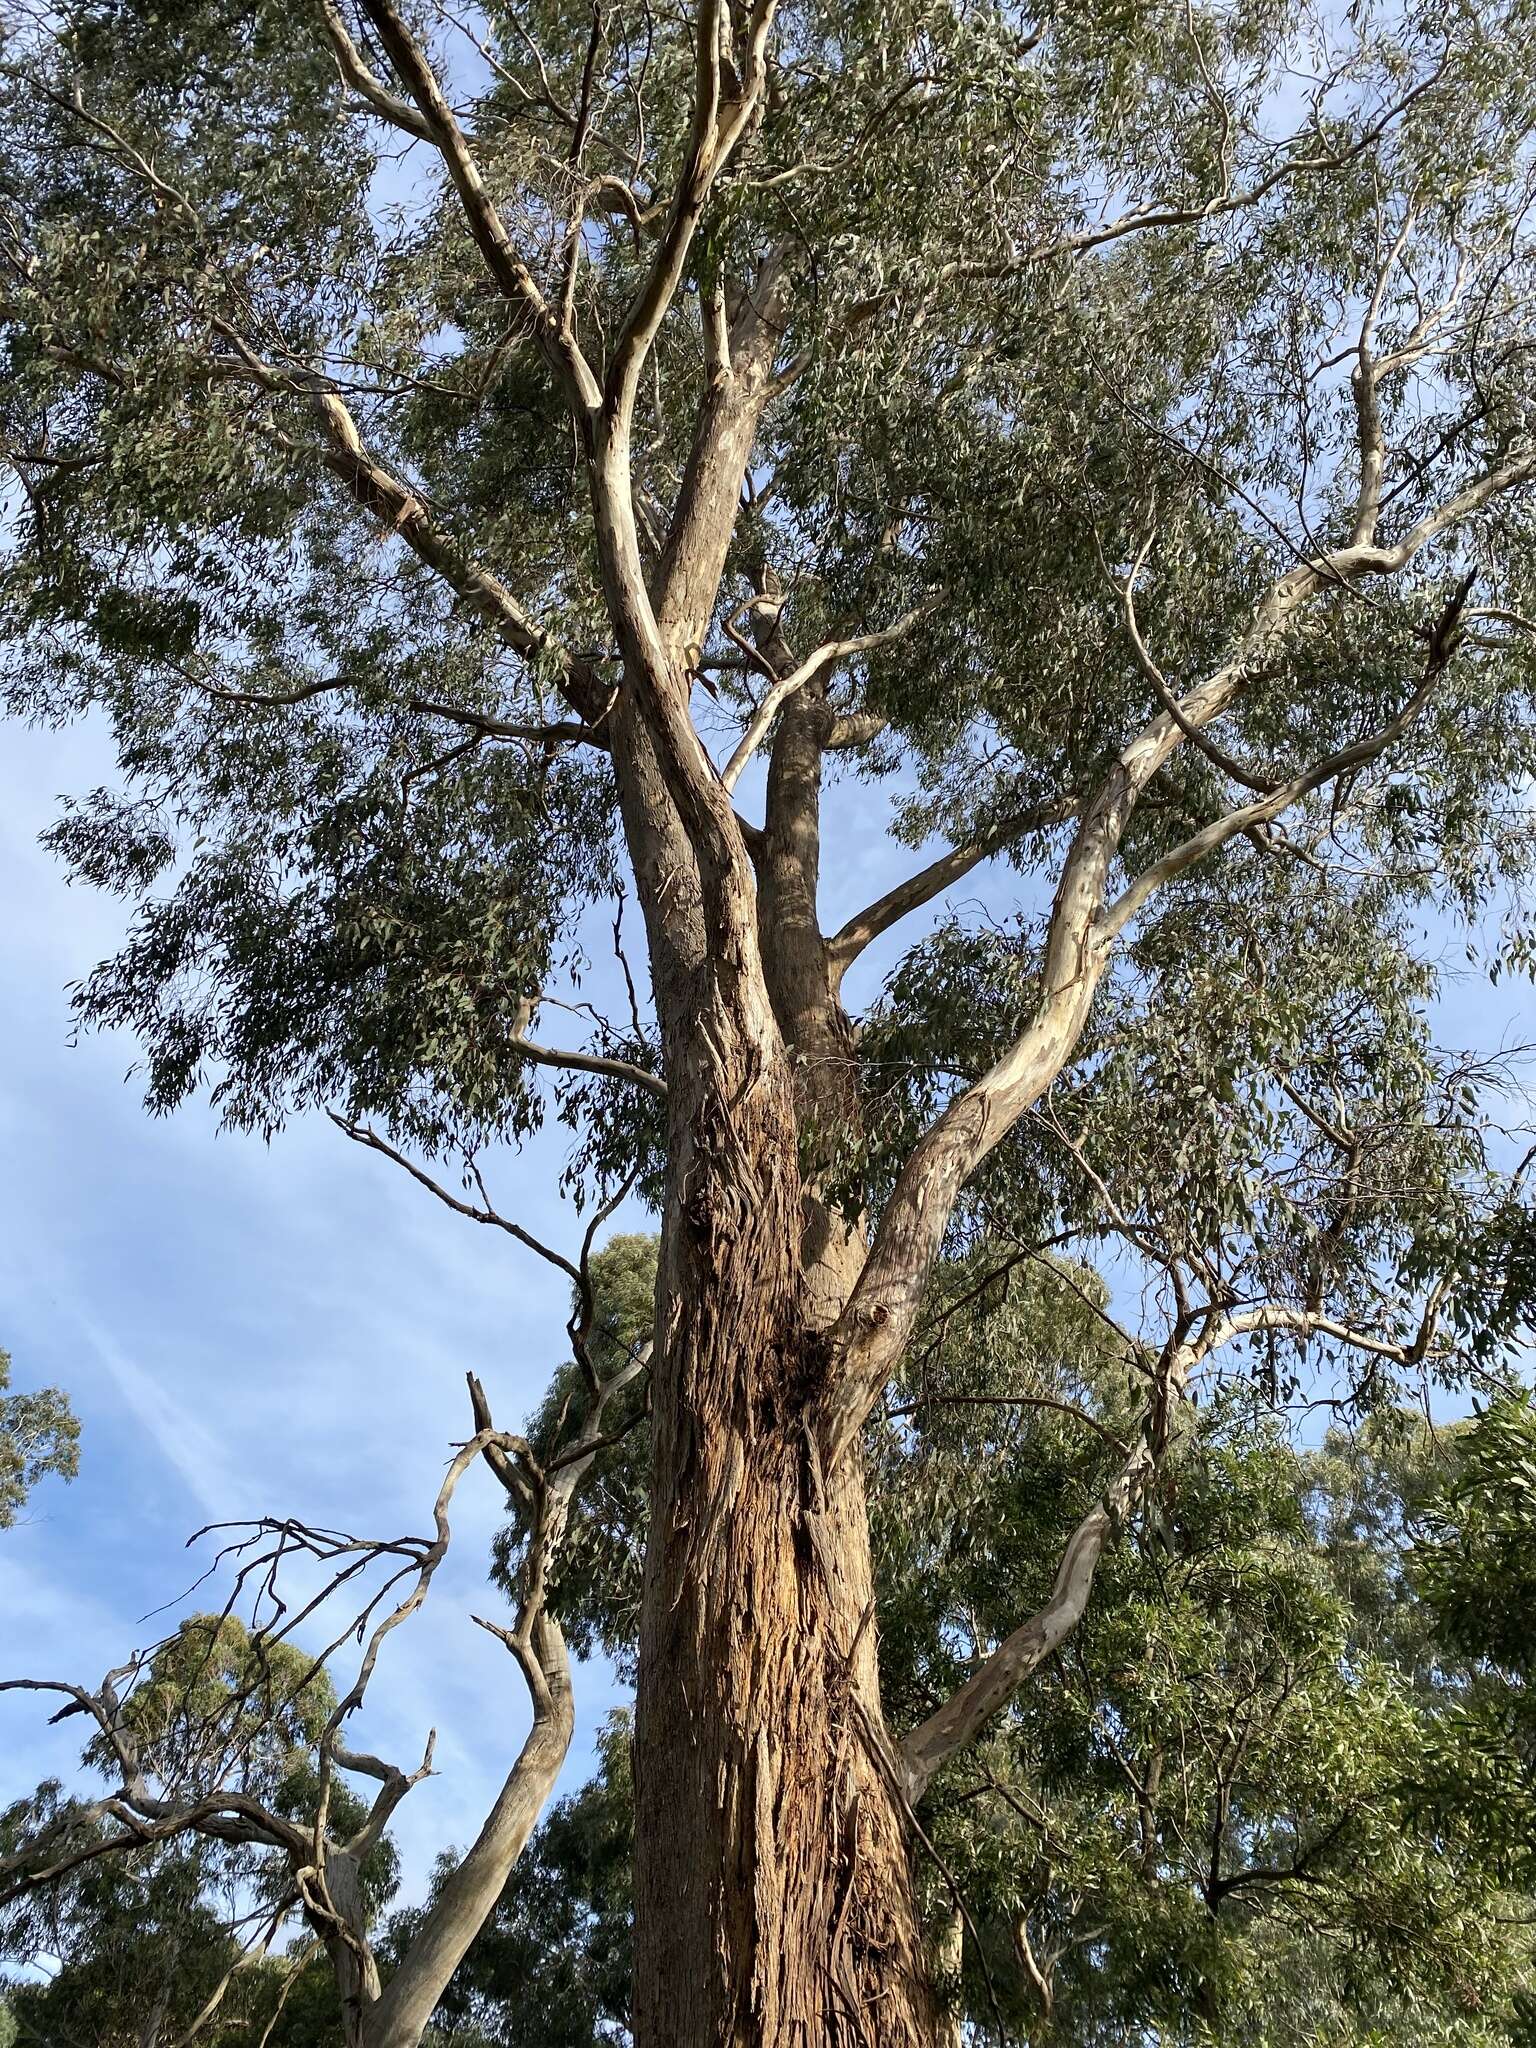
x=242 y=1329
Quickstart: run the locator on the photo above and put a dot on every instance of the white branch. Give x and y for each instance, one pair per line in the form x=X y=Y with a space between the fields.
x=368 y=86
x=502 y=258
x=814 y=665
x=962 y=1717
x=886 y=1299
x=725 y=107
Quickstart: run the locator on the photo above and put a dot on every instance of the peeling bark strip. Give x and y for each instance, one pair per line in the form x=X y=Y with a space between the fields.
x=771 y=1863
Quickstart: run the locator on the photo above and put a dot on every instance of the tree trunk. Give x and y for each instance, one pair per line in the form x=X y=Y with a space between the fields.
x=464 y=1902
x=774 y=1903
x=345 y=1938
x=774 y=1897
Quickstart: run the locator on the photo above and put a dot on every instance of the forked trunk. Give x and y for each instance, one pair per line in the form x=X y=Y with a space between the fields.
x=774 y=1896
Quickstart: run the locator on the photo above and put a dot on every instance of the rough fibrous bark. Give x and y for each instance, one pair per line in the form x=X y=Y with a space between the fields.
x=774 y=1895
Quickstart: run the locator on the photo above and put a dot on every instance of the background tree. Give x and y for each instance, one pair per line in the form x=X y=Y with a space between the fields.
x=463 y=465
x=38 y=1435
x=1473 y=1566
x=234 y=1735
x=1241 y=1803
x=166 y=1942
x=135 y=1951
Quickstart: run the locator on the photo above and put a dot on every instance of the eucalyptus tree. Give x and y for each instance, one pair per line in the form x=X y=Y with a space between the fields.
x=473 y=464
x=1266 y=1791
x=233 y=1734
x=156 y=1936
x=1473 y=1568
x=137 y=1947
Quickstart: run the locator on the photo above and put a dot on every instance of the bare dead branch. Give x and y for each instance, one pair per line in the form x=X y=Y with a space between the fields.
x=363 y=1134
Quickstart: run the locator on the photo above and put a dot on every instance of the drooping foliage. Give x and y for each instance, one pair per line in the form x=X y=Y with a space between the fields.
x=364 y=889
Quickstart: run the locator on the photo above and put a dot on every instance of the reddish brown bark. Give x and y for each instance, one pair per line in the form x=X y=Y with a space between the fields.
x=774 y=1899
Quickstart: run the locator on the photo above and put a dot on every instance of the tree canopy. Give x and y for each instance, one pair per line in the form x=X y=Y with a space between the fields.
x=1273 y=1790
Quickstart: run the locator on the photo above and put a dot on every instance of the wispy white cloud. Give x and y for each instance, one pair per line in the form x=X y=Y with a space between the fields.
x=186 y=1443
